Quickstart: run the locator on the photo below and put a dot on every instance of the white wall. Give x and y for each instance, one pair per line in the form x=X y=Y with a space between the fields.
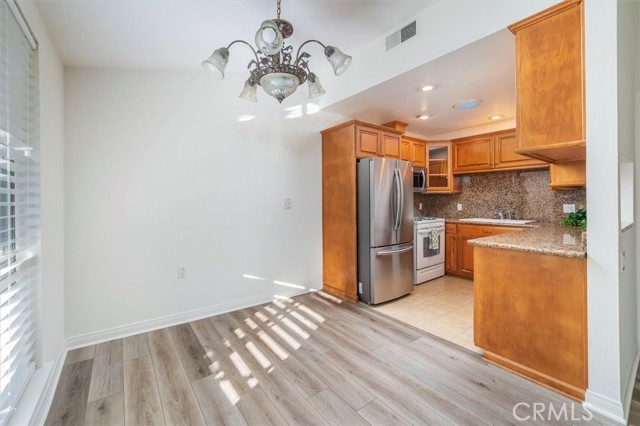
x=612 y=306
x=443 y=27
x=160 y=173
x=628 y=40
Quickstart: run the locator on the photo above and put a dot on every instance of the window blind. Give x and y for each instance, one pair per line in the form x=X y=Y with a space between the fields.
x=19 y=208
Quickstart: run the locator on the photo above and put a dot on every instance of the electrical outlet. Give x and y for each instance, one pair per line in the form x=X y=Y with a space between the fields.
x=623 y=260
x=419 y=206
x=459 y=207
x=568 y=208
x=287 y=203
x=182 y=271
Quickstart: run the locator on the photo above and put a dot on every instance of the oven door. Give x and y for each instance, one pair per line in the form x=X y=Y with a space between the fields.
x=428 y=252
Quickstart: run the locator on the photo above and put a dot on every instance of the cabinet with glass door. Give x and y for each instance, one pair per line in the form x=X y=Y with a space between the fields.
x=440 y=178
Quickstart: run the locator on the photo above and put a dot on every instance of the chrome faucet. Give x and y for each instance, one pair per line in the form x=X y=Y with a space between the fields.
x=503 y=214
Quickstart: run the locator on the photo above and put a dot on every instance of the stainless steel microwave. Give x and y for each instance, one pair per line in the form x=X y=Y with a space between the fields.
x=420 y=180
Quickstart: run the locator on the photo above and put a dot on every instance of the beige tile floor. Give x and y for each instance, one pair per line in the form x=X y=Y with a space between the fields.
x=443 y=307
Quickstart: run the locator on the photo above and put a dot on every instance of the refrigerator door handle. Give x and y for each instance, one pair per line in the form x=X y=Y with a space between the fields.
x=398 y=198
x=387 y=253
x=394 y=199
x=401 y=203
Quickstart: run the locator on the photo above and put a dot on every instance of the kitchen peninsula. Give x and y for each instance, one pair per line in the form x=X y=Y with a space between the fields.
x=530 y=313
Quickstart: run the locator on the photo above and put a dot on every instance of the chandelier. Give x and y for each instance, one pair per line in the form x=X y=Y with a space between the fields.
x=274 y=68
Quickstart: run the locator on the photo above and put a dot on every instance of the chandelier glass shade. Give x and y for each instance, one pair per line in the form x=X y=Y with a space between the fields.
x=274 y=68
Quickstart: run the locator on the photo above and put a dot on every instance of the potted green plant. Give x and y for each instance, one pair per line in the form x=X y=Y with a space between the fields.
x=577 y=218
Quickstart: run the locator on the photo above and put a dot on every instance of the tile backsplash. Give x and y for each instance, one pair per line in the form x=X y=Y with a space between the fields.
x=525 y=193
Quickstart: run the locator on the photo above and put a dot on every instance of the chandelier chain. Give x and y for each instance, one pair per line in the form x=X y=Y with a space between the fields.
x=279 y=9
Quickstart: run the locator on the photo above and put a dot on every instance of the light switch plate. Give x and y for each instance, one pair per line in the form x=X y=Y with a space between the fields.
x=568 y=208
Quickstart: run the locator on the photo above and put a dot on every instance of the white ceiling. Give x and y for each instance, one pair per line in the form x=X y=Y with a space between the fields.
x=179 y=34
x=482 y=70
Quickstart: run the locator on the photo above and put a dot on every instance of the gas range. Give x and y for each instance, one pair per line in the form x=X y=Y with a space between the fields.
x=428 y=248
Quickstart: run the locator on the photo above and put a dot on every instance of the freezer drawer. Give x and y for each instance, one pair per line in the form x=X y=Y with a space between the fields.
x=387 y=274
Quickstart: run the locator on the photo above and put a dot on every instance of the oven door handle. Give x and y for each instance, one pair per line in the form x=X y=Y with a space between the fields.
x=423 y=232
x=387 y=253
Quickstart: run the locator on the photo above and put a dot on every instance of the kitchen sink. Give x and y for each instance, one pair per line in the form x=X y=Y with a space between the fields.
x=497 y=221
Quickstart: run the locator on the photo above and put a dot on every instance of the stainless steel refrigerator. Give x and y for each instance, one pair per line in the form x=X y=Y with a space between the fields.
x=385 y=229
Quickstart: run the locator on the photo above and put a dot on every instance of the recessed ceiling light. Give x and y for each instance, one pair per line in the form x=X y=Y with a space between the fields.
x=423 y=116
x=469 y=104
x=495 y=117
x=427 y=88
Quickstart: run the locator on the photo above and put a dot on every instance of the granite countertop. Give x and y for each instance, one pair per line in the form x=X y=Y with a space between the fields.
x=479 y=222
x=537 y=237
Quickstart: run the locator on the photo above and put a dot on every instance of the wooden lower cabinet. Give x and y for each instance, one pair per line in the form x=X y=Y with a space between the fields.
x=451 y=249
x=459 y=255
x=465 y=255
x=530 y=316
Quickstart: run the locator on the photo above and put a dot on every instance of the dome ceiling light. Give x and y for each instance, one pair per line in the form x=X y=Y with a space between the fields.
x=468 y=104
x=274 y=68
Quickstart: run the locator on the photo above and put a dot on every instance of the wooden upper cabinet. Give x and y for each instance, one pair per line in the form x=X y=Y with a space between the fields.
x=406 y=150
x=419 y=154
x=568 y=175
x=473 y=154
x=367 y=142
x=374 y=142
x=550 y=89
x=390 y=145
x=440 y=177
x=489 y=152
x=416 y=151
x=505 y=156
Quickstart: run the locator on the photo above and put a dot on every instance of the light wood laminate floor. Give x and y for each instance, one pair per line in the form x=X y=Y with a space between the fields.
x=309 y=360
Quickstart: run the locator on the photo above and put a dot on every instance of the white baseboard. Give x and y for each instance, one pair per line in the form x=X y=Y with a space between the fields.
x=606 y=406
x=35 y=402
x=631 y=381
x=171 y=320
x=34 y=407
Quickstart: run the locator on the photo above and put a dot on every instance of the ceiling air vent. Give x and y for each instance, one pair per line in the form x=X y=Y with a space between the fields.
x=402 y=35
